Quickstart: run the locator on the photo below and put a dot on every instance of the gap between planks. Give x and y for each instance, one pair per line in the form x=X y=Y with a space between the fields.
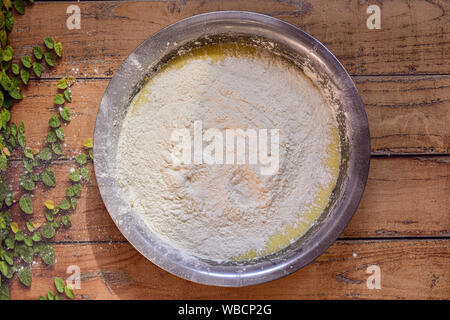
x=362 y=76
x=343 y=240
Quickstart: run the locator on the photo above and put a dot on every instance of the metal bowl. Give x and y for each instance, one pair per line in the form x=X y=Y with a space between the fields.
x=283 y=39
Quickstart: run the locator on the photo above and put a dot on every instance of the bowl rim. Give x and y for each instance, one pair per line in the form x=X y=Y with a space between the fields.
x=161 y=254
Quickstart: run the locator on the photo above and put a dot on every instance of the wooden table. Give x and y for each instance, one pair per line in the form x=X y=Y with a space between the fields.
x=403 y=74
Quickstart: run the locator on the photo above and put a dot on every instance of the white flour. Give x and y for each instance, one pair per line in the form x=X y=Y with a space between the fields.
x=226 y=211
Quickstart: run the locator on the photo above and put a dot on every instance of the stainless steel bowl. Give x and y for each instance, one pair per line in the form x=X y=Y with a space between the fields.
x=293 y=44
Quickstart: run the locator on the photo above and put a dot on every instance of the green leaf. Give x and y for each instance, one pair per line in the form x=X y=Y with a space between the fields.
x=81 y=158
x=3 y=38
x=21 y=139
x=37 y=69
x=8 y=257
x=19 y=236
x=8 y=54
x=24 y=275
x=5 y=116
x=48 y=231
x=68 y=95
x=73 y=202
x=58 y=99
x=28 y=153
x=70 y=192
x=58 y=48
x=36 y=237
x=26 y=182
x=35 y=162
x=25 y=75
x=3 y=162
x=4 y=291
x=66 y=220
x=20 y=6
x=50 y=295
x=49 y=42
x=60 y=133
x=9 y=242
x=49 y=58
x=25 y=252
x=2 y=226
x=28 y=241
x=30 y=226
x=6 y=82
x=5 y=191
x=62 y=83
x=54 y=121
x=9 y=199
x=57 y=148
x=91 y=154
x=69 y=292
x=59 y=284
x=36 y=177
x=6 y=217
x=77 y=189
x=9 y=20
x=48 y=215
x=45 y=154
x=4 y=268
x=47 y=254
x=56 y=224
x=51 y=137
x=48 y=177
x=65 y=113
x=26 y=204
x=43 y=298
x=26 y=61
x=28 y=165
x=15 y=93
x=75 y=175
x=15 y=69
x=85 y=173
x=38 y=52
x=64 y=204
x=14 y=128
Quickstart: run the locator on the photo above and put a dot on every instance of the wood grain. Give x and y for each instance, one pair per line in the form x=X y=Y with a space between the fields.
x=414 y=37
x=404 y=197
x=407 y=115
x=410 y=269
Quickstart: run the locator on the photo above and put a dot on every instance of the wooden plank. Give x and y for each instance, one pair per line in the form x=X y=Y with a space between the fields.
x=414 y=35
x=410 y=269
x=404 y=197
x=406 y=114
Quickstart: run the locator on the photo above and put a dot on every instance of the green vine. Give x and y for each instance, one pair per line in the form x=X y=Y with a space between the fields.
x=18 y=248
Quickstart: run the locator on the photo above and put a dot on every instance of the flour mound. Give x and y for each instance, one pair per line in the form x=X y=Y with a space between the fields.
x=222 y=212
